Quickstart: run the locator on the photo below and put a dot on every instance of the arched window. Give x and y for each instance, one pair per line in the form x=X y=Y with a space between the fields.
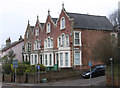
x=63 y=39
x=48 y=42
x=37 y=45
x=62 y=23
x=67 y=40
x=37 y=32
x=48 y=27
x=28 y=34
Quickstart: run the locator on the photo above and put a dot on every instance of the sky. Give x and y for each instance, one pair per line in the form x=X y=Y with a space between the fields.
x=14 y=14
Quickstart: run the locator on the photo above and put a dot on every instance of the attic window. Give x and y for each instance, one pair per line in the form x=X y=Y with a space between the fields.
x=62 y=23
x=28 y=34
x=48 y=27
x=37 y=32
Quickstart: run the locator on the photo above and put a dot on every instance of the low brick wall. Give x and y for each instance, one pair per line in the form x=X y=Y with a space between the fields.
x=49 y=75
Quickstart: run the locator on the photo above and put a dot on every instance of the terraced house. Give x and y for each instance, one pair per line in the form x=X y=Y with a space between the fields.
x=66 y=41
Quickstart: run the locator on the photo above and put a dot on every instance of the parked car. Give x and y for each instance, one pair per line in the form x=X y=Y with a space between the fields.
x=98 y=70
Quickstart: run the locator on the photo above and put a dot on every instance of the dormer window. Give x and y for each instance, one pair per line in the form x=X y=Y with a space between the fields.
x=48 y=27
x=37 y=32
x=62 y=23
x=28 y=34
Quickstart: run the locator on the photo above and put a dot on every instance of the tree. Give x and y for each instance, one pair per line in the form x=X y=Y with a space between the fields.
x=4 y=59
x=113 y=17
x=105 y=48
x=11 y=56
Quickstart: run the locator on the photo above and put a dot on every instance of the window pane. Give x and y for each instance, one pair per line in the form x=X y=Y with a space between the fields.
x=77 y=58
x=61 y=59
x=66 y=59
x=67 y=40
x=32 y=59
x=45 y=59
x=51 y=42
x=63 y=23
x=77 y=41
x=63 y=40
x=50 y=59
x=77 y=35
x=35 y=59
x=59 y=41
x=48 y=42
x=48 y=27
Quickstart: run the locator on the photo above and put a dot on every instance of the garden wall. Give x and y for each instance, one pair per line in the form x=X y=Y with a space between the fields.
x=49 y=75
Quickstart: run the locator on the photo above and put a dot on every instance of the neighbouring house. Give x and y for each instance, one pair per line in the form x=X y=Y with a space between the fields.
x=66 y=41
x=16 y=46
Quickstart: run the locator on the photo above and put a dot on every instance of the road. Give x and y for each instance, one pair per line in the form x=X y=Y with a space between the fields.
x=98 y=81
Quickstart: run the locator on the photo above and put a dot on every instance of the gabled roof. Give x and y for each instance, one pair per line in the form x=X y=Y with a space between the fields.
x=85 y=21
x=54 y=20
x=12 y=45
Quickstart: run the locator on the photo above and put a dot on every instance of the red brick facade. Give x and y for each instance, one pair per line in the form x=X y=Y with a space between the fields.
x=88 y=37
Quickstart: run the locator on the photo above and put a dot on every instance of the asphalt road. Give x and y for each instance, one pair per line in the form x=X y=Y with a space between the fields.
x=74 y=82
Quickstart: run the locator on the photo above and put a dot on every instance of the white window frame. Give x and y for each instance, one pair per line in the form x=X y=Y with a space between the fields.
x=63 y=39
x=50 y=59
x=67 y=40
x=66 y=59
x=36 y=61
x=48 y=43
x=61 y=23
x=59 y=40
x=61 y=59
x=80 y=44
x=48 y=27
x=80 y=58
x=39 y=45
x=51 y=42
x=49 y=39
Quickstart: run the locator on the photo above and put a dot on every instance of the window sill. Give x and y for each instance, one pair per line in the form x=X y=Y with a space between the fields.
x=77 y=45
x=62 y=28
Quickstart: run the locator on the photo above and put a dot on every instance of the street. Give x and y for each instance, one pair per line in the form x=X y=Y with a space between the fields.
x=98 y=81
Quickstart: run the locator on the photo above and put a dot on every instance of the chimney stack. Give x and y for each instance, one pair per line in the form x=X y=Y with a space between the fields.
x=8 y=41
x=20 y=38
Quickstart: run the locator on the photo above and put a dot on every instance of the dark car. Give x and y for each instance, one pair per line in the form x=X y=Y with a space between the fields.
x=96 y=71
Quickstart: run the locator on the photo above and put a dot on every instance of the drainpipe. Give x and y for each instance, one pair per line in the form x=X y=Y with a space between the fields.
x=72 y=39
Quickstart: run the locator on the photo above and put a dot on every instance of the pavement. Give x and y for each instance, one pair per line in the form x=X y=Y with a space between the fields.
x=77 y=82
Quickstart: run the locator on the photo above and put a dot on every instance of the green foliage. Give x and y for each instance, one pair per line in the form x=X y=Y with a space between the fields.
x=7 y=68
x=4 y=59
x=104 y=50
x=25 y=68
x=42 y=67
x=10 y=55
x=26 y=62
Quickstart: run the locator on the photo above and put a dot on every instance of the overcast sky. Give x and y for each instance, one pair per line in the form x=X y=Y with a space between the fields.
x=14 y=14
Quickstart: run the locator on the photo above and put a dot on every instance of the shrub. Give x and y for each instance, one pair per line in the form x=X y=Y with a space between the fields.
x=42 y=67
x=7 y=68
x=26 y=62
